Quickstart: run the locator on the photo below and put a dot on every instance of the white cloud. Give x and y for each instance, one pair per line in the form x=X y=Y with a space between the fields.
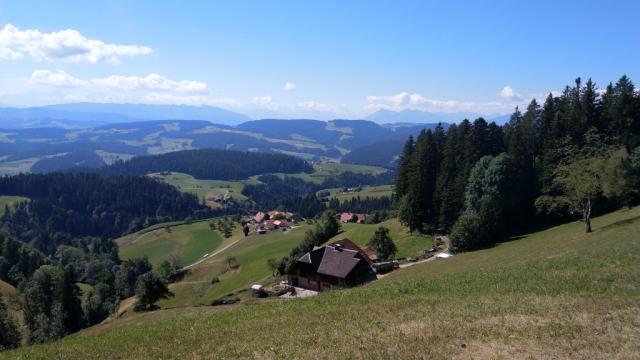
x=67 y=45
x=196 y=100
x=265 y=102
x=412 y=101
x=507 y=92
x=313 y=105
x=58 y=78
x=407 y=101
x=153 y=88
x=8 y=54
x=289 y=86
x=152 y=81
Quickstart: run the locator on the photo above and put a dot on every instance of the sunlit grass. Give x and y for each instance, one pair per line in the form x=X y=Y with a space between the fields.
x=558 y=293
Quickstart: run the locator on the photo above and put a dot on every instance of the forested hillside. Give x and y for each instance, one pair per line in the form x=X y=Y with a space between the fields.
x=377 y=154
x=210 y=164
x=575 y=155
x=64 y=235
x=53 y=149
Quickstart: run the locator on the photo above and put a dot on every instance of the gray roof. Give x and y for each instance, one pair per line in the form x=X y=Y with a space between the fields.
x=338 y=262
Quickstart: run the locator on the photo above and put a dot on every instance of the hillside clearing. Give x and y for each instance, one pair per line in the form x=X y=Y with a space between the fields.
x=557 y=293
x=251 y=254
x=206 y=189
x=366 y=191
x=189 y=241
x=407 y=244
x=10 y=201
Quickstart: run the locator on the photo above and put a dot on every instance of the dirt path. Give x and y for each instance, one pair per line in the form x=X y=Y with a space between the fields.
x=446 y=248
x=212 y=255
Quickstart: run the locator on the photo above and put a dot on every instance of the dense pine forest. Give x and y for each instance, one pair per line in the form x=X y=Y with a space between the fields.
x=63 y=235
x=575 y=155
x=210 y=164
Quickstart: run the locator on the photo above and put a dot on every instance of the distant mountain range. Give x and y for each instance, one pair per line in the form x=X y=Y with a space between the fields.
x=87 y=115
x=55 y=137
x=45 y=149
x=83 y=115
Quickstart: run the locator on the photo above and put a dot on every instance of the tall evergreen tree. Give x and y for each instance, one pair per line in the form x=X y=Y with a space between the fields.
x=70 y=300
x=9 y=334
x=404 y=170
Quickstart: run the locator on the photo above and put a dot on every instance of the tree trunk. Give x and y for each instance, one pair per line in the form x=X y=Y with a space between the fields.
x=587 y=216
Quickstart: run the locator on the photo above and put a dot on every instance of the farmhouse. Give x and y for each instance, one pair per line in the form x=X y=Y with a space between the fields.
x=272 y=220
x=337 y=265
x=347 y=217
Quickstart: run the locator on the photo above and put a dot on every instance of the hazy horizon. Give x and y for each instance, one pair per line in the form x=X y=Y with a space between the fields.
x=322 y=61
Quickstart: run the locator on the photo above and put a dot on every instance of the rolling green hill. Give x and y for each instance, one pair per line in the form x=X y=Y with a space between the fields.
x=210 y=189
x=557 y=293
x=189 y=241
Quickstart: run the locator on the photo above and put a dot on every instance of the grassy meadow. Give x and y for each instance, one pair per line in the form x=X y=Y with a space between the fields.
x=366 y=191
x=206 y=189
x=209 y=189
x=407 y=244
x=7 y=200
x=556 y=293
x=251 y=254
x=189 y=241
x=322 y=171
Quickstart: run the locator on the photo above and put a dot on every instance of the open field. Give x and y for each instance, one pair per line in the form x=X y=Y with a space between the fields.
x=557 y=293
x=407 y=244
x=190 y=241
x=366 y=191
x=325 y=170
x=6 y=200
x=209 y=189
x=251 y=254
x=206 y=189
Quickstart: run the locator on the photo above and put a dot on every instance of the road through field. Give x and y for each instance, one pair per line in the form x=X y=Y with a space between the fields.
x=212 y=255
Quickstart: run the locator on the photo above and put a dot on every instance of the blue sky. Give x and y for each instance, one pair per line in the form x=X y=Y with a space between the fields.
x=340 y=58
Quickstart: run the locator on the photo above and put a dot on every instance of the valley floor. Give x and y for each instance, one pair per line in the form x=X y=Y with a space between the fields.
x=557 y=293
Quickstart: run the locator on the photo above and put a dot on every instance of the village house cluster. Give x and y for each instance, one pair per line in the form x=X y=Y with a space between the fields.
x=347 y=217
x=264 y=222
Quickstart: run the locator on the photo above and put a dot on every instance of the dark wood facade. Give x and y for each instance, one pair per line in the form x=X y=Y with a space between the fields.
x=331 y=266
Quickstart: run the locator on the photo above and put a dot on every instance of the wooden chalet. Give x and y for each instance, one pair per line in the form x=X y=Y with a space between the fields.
x=337 y=265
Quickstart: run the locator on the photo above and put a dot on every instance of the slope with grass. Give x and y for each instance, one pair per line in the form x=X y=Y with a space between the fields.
x=251 y=254
x=365 y=191
x=408 y=244
x=322 y=171
x=189 y=241
x=205 y=189
x=210 y=189
x=556 y=293
x=10 y=201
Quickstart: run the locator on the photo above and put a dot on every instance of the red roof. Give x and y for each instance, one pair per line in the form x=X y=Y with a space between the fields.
x=345 y=217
